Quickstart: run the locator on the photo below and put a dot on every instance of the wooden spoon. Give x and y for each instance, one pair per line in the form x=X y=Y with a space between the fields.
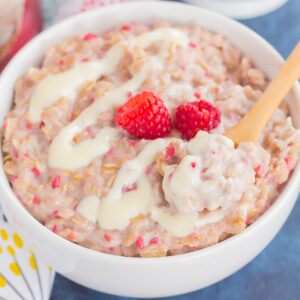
x=250 y=128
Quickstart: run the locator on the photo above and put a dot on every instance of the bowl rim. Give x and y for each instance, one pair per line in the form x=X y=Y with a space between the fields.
x=287 y=191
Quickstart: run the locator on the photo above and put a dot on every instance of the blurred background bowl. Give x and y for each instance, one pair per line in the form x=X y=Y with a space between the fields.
x=240 y=9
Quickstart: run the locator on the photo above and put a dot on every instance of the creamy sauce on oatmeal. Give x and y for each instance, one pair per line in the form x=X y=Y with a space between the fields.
x=214 y=175
x=194 y=200
x=186 y=190
x=65 y=156
x=181 y=225
x=117 y=208
x=180 y=183
x=170 y=196
x=89 y=207
x=61 y=153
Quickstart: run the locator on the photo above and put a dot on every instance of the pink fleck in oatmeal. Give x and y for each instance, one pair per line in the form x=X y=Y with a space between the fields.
x=91 y=182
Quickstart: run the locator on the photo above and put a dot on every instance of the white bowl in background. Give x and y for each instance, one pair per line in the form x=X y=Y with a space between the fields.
x=147 y=277
x=240 y=9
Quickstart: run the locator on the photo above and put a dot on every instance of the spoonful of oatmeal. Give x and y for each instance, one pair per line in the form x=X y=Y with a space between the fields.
x=250 y=128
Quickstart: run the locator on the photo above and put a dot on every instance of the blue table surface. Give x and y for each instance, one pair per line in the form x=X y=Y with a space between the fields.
x=275 y=272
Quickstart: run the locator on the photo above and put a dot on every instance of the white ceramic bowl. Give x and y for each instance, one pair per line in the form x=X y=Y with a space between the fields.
x=241 y=9
x=146 y=277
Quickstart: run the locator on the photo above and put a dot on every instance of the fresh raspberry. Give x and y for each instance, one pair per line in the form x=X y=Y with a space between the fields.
x=36 y=200
x=56 y=182
x=129 y=188
x=4 y=125
x=247 y=220
x=36 y=172
x=170 y=151
x=153 y=241
x=13 y=179
x=16 y=153
x=140 y=242
x=107 y=237
x=126 y=27
x=145 y=116
x=190 y=117
x=193 y=164
x=90 y=36
x=29 y=126
x=54 y=228
x=85 y=59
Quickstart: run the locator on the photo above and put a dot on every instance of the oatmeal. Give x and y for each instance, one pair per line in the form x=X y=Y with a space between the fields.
x=115 y=142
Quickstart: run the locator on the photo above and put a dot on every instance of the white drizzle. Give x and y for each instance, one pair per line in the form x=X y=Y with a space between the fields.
x=181 y=225
x=88 y=207
x=181 y=189
x=74 y=157
x=65 y=84
x=61 y=153
x=117 y=207
x=53 y=87
x=199 y=143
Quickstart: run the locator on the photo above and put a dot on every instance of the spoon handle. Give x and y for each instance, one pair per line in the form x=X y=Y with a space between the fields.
x=250 y=128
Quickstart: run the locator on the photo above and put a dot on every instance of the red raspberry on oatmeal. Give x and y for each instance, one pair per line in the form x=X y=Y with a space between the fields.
x=190 y=117
x=145 y=116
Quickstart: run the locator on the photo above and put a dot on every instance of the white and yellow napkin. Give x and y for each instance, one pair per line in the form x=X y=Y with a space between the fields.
x=22 y=275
